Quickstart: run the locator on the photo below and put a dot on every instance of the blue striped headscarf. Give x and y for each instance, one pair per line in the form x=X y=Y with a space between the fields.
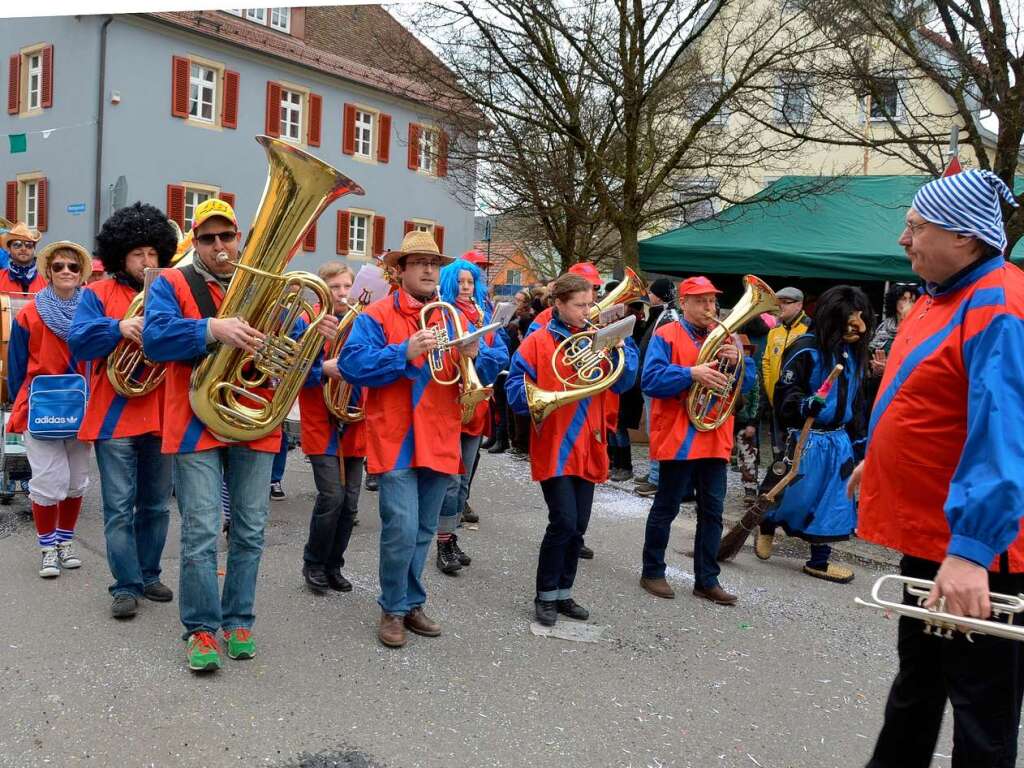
x=967 y=203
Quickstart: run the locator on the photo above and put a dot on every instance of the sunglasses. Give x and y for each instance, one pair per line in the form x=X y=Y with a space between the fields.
x=71 y=266
x=21 y=244
x=211 y=237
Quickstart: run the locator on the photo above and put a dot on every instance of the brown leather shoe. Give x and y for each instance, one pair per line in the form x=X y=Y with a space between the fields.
x=658 y=587
x=716 y=595
x=391 y=632
x=417 y=621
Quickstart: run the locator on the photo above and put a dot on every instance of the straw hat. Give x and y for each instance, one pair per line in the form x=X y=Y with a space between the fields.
x=19 y=232
x=84 y=259
x=416 y=243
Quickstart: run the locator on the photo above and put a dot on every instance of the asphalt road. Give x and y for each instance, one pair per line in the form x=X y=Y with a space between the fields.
x=794 y=676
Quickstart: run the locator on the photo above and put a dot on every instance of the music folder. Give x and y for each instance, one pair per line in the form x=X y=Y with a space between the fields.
x=503 y=313
x=612 y=334
x=469 y=338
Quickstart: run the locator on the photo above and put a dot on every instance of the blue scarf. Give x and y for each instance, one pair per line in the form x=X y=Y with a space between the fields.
x=23 y=274
x=56 y=312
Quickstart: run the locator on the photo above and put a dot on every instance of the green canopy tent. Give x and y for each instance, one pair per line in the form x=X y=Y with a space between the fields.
x=823 y=228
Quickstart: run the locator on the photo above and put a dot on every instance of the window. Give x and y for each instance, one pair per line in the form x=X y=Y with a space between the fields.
x=885 y=100
x=35 y=80
x=364 y=133
x=30 y=80
x=31 y=190
x=358 y=227
x=235 y=11
x=193 y=198
x=256 y=14
x=514 y=277
x=695 y=200
x=291 y=115
x=704 y=97
x=280 y=18
x=427 y=150
x=202 y=92
x=793 y=102
x=420 y=226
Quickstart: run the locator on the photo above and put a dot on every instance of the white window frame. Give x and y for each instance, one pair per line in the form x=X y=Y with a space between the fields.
x=287 y=106
x=364 y=133
x=30 y=193
x=355 y=216
x=707 y=92
x=200 y=84
x=792 y=82
x=898 y=116
x=422 y=225
x=513 y=277
x=235 y=11
x=699 y=186
x=195 y=194
x=284 y=19
x=429 y=141
x=259 y=15
x=34 y=96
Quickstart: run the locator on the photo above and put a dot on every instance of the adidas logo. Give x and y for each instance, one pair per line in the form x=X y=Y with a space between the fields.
x=56 y=420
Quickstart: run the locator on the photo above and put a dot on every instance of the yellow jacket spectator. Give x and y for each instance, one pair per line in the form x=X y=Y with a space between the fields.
x=793 y=323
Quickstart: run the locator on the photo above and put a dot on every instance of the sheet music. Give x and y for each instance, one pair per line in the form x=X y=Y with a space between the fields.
x=503 y=313
x=369 y=285
x=469 y=338
x=611 y=314
x=614 y=333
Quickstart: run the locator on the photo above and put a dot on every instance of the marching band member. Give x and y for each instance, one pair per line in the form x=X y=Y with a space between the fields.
x=336 y=454
x=462 y=285
x=135 y=477
x=21 y=274
x=814 y=507
x=687 y=458
x=568 y=455
x=943 y=481
x=38 y=347
x=413 y=425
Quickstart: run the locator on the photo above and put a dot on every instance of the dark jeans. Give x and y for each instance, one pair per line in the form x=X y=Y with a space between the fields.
x=569 y=500
x=499 y=410
x=521 y=426
x=330 y=526
x=707 y=478
x=280 y=460
x=983 y=680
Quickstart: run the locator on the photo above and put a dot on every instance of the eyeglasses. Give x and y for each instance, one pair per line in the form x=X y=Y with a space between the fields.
x=915 y=229
x=211 y=237
x=425 y=263
x=21 y=244
x=71 y=266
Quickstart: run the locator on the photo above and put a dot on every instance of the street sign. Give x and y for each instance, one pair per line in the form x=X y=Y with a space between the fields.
x=76 y=209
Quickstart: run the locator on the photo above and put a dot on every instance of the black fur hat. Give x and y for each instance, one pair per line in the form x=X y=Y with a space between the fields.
x=131 y=227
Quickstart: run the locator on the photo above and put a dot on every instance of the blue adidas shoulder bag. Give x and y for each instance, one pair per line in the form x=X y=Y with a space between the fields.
x=56 y=406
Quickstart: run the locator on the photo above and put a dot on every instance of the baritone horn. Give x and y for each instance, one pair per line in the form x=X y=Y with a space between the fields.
x=938 y=622
x=472 y=391
x=130 y=372
x=338 y=393
x=243 y=396
x=707 y=408
x=632 y=288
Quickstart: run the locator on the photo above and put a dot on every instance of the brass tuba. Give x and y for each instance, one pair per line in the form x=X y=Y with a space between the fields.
x=338 y=393
x=472 y=392
x=225 y=385
x=708 y=409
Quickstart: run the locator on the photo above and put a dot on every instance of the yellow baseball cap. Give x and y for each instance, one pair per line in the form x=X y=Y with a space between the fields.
x=210 y=208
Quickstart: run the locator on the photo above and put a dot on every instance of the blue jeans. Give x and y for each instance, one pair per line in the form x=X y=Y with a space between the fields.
x=707 y=477
x=198 y=485
x=457 y=494
x=280 y=460
x=410 y=500
x=135 y=482
x=654 y=471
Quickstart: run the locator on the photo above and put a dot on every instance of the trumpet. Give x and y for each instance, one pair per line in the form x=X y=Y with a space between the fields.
x=472 y=391
x=938 y=622
x=338 y=393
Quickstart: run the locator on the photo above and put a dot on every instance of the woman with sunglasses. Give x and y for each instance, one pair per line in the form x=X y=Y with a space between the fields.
x=21 y=275
x=39 y=347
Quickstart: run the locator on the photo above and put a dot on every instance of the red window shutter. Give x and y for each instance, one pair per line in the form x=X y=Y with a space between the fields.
x=414 y=147
x=11 y=208
x=13 y=84
x=378 y=235
x=342 y=244
x=348 y=131
x=179 y=86
x=408 y=227
x=383 y=138
x=273 y=122
x=442 y=154
x=229 y=114
x=47 y=85
x=176 y=204
x=439 y=237
x=309 y=241
x=43 y=201
x=228 y=197
x=316 y=106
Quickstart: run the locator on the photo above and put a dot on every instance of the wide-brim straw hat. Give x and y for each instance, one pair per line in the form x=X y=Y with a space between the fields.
x=84 y=257
x=417 y=243
x=19 y=231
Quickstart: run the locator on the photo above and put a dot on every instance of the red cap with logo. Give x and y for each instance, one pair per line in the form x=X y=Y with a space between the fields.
x=694 y=286
x=475 y=257
x=588 y=272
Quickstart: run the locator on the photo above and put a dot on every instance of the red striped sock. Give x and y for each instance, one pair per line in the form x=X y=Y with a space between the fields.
x=45 y=518
x=68 y=513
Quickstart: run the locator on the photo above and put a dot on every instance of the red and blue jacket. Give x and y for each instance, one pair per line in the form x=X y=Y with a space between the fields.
x=571 y=440
x=321 y=433
x=411 y=420
x=94 y=335
x=666 y=379
x=174 y=332
x=10 y=285
x=944 y=472
x=34 y=350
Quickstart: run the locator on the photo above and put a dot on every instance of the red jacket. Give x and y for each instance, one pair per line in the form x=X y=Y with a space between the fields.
x=175 y=333
x=94 y=335
x=9 y=285
x=319 y=429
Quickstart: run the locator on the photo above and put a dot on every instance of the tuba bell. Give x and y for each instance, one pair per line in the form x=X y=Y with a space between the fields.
x=708 y=409
x=630 y=289
x=225 y=388
x=472 y=392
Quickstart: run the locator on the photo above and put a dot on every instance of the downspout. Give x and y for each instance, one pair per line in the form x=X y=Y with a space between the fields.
x=99 y=125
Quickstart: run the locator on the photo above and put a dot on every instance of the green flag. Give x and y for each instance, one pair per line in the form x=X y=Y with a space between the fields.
x=19 y=142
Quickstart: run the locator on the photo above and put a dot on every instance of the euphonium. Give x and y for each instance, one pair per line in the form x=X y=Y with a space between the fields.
x=131 y=373
x=472 y=390
x=708 y=409
x=338 y=393
x=225 y=387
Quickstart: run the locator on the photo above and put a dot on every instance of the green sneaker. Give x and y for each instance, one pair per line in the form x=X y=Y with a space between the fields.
x=240 y=643
x=203 y=652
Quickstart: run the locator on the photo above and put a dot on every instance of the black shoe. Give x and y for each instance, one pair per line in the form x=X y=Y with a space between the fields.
x=371 y=482
x=277 y=490
x=447 y=560
x=620 y=475
x=499 y=447
x=586 y=553
x=572 y=609
x=315 y=578
x=124 y=607
x=546 y=612
x=487 y=443
x=337 y=582
x=157 y=592
x=469 y=516
x=464 y=559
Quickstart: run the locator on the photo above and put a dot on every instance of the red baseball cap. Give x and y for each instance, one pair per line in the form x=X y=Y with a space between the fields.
x=97 y=266
x=475 y=257
x=694 y=286
x=588 y=272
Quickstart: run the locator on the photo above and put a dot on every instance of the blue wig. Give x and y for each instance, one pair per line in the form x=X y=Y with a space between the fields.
x=450 y=285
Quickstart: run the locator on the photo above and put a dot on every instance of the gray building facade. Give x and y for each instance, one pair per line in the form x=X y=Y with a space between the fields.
x=164 y=108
